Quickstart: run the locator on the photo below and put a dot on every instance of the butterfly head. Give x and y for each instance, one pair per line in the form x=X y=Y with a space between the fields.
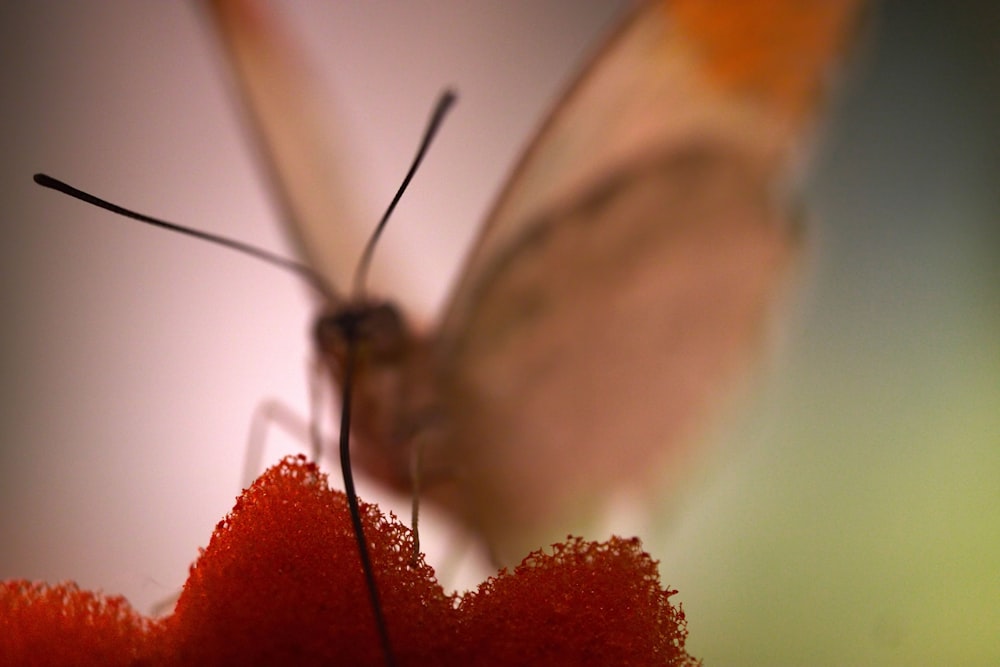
x=376 y=328
x=388 y=379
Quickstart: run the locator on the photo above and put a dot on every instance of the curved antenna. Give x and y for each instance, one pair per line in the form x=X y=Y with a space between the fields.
x=350 y=323
x=351 y=334
x=298 y=268
x=444 y=103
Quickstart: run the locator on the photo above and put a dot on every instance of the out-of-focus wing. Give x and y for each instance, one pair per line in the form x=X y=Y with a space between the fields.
x=306 y=161
x=626 y=272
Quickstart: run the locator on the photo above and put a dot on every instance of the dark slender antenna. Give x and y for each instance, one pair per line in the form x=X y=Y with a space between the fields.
x=444 y=103
x=351 y=333
x=271 y=258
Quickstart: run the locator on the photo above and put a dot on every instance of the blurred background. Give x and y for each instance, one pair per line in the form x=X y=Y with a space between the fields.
x=851 y=511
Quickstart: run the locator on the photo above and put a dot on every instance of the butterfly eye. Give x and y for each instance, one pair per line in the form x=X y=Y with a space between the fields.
x=377 y=329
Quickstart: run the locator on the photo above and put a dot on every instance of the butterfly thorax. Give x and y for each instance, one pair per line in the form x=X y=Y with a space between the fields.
x=394 y=398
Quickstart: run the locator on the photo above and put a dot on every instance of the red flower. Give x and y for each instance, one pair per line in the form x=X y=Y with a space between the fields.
x=280 y=584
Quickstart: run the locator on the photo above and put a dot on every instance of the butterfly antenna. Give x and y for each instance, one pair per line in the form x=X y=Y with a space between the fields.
x=351 y=334
x=301 y=270
x=444 y=103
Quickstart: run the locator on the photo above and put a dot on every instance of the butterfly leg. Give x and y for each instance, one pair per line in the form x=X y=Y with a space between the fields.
x=165 y=606
x=273 y=412
x=316 y=401
x=416 y=451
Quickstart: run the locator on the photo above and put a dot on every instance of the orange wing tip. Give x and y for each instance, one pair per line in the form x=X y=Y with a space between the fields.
x=280 y=583
x=780 y=50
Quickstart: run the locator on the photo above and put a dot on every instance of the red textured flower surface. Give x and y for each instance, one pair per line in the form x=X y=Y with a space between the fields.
x=281 y=584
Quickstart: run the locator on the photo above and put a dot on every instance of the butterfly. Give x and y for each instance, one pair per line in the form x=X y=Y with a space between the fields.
x=621 y=281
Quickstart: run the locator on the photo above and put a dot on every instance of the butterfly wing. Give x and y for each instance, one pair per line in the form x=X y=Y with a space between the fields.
x=628 y=268
x=295 y=131
x=625 y=272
